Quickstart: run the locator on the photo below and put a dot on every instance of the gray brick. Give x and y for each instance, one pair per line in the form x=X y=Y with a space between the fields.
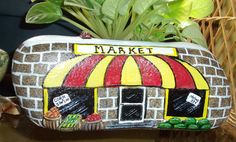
x=106 y=103
x=66 y=56
x=221 y=91
x=225 y=102
x=32 y=58
x=155 y=103
x=59 y=46
x=210 y=71
x=102 y=92
x=217 y=81
x=217 y=113
x=150 y=114
x=103 y=113
x=40 y=105
x=214 y=102
x=182 y=50
x=40 y=48
x=40 y=68
x=207 y=54
x=219 y=122
x=15 y=79
x=36 y=92
x=113 y=92
x=194 y=51
x=202 y=60
x=29 y=80
x=18 y=56
x=160 y=114
x=25 y=49
x=28 y=103
x=50 y=57
x=24 y=68
x=151 y=92
x=189 y=59
x=21 y=91
x=112 y=114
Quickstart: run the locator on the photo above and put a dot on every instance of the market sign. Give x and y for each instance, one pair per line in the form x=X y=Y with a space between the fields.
x=123 y=50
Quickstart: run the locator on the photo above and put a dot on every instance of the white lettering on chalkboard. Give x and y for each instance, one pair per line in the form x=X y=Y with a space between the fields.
x=61 y=100
x=193 y=99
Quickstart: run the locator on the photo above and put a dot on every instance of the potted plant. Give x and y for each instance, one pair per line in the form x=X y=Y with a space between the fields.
x=138 y=70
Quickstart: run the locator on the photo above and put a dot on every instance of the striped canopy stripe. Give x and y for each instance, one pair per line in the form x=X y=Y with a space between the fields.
x=94 y=71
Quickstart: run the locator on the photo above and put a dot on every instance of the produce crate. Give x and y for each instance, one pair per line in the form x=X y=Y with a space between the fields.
x=220 y=32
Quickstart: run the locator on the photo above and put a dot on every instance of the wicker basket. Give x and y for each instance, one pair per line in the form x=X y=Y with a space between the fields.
x=220 y=32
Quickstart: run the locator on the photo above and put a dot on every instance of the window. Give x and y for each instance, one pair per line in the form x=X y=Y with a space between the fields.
x=132 y=105
x=185 y=103
x=72 y=101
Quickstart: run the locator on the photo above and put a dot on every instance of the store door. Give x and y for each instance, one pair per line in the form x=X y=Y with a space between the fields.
x=132 y=105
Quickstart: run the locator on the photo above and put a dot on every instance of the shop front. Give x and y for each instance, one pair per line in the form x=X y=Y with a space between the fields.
x=72 y=88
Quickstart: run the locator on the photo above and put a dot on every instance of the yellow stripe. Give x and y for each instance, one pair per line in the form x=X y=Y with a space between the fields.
x=45 y=100
x=166 y=104
x=130 y=73
x=57 y=75
x=199 y=80
x=168 y=79
x=96 y=79
x=206 y=104
x=95 y=100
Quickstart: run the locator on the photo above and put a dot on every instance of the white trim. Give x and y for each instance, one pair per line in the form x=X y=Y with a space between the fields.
x=43 y=39
x=133 y=104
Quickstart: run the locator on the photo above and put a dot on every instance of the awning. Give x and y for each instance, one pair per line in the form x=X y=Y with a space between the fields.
x=94 y=71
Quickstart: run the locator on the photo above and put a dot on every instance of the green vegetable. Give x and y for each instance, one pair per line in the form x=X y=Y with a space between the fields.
x=203 y=122
x=190 y=121
x=193 y=127
x=180 y=126
x=175 y=121
x=164 y=125
x=206 y=126
x=150 y=20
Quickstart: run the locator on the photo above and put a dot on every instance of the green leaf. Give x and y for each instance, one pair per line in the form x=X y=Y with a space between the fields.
x=201 y=8
x=57 y=2
x=43 y=13
x=124 y=6
x=109 y=8
x=179 y=10
x=78 y=3
x=140 y=6
x=193 y=32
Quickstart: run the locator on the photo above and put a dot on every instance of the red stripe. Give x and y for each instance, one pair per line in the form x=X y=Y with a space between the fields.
x=78 y=76
x=150 y=75
x=114 y=70
x=183 y=78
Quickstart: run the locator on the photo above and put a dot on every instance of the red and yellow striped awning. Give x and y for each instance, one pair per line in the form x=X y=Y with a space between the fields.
x=94 y=71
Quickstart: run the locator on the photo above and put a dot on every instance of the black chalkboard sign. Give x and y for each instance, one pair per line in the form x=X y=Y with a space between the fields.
x=72 y=101
x=186 y=103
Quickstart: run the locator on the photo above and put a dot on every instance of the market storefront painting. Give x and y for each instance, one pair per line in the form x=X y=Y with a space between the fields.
x=72 y=89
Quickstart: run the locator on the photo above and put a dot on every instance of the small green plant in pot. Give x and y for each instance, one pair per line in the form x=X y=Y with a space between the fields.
x=138 y=58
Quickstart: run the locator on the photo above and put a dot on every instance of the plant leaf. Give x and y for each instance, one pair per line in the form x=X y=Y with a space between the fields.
x=179 y=10
x=43 y=13
x=124 y=6
x=78 y=3
x=142 y=5
x=57 y=2
x=109 y=8
x=201 y=8
x=193 y=32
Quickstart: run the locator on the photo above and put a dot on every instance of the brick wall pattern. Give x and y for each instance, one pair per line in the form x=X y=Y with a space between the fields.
x=31 y=64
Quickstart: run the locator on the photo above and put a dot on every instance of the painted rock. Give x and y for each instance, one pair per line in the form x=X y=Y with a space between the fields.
x=68 y=83
x=3 y=63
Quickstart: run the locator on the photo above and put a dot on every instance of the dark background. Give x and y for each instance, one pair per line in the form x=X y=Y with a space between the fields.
x=14 y=30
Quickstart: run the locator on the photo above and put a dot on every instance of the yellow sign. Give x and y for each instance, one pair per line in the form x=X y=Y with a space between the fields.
x=123 y=50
